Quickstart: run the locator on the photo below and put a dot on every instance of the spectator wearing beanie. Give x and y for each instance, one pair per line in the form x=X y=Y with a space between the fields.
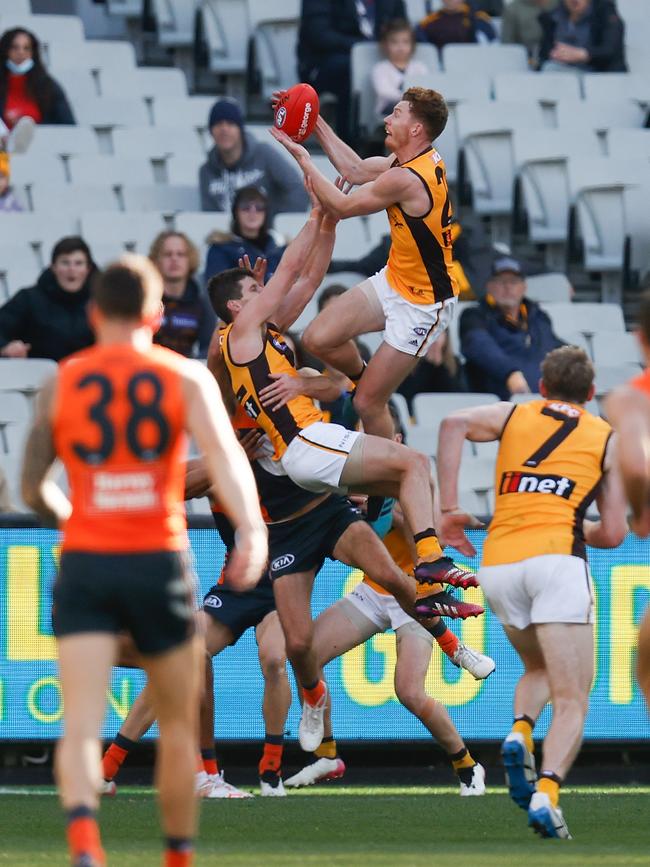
x=26 y=89
x=8 y=201
x=250 y=236
x=188 y=321
x=238 y=160
x=49 y=320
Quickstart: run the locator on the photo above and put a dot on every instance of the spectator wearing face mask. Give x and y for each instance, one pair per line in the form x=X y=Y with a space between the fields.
x=49 y=320
x=26 y=89
x=250 y=236
x=188 y=321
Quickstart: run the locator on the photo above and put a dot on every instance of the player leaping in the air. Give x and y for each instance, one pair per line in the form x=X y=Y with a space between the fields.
x=412 y=299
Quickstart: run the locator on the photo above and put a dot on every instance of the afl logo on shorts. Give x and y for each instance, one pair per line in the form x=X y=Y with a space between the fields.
x=282 y=562
x=213 y=602
x=281 y=116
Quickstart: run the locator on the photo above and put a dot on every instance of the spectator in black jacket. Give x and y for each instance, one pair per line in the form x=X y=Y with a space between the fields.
x=582 y=35
x=49 y=320
x=26 y=89
x=328 y=30
x=188 y=321
x=506 y=336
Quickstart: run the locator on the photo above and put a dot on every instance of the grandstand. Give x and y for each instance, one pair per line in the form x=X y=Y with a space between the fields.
x=558 y=166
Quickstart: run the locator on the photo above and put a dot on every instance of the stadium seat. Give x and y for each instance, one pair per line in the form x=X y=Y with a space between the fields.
x=53 y=198
x=135 y=231
x=18 y=269
x=79 y=85
x=174 y=22
x=15 y=415
x=107 y=251
x=275 y=35
x=614 y=347
x=25 y=375
x=549 y=287
x=164 y=198
x=225 y=25
x=614 y=86
x=485 y=131
x=364 y=56
x=149 y=82
x=126 y=8
x=454 y=327
x=599 y=115
x=545 y=89
x=476 y=485
x=14 y=8
x=97 y=56
x=189 y=112
x=105 y=114
x=30 y=168
x=39 y=231
x=611 y=376
x=349 y=279
x=541 y=162
x=372 y=340
x=352 y=241
x=430 y=409
x=117 y=171
x=156 y=142
x=574 y=338
x=586 y=318
x=308 y=314
x=62 y=141
x=624 y=144
x=479 y=61
x=635 y=206
x=183 y=169
x=289 y=224
x=199 y=226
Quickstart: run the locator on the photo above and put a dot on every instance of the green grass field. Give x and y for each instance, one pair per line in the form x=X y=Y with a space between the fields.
x=346 y=826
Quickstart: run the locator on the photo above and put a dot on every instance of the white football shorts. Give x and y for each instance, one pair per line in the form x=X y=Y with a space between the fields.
x=409 y=328
x=551 y=588
x=315 y=458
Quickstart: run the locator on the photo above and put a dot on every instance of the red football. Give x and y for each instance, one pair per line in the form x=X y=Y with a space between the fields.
x=297 y=112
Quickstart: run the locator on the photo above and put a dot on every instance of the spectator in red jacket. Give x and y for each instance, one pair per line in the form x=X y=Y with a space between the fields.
x=26 y=89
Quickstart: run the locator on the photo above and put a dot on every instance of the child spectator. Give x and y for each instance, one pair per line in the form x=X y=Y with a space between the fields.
x=250 y=236
x=26 y=89
x=8 y=201
x=389 y=76
x=188 y=321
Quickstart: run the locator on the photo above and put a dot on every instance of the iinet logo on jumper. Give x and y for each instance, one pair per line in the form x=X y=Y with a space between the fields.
x=531 y=483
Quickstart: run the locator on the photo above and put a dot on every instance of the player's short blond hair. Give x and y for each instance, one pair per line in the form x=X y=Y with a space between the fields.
x=568 y=374
x=193 y=256
x=430 y=108
x=130 y=288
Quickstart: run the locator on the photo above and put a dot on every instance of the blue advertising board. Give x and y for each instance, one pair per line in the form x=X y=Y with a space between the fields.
x=364 y=703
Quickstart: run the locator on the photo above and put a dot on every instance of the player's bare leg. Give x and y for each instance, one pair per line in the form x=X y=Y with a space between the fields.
x=85 y=662
x=643 y=657
x=330 y=335
x=532 y=693
x=293 y=602
x=386 y=371
x=413 y=660
x=175 y=682
x=277 y=701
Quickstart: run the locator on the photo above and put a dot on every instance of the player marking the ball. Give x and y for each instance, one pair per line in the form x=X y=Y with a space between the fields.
x=412 y=299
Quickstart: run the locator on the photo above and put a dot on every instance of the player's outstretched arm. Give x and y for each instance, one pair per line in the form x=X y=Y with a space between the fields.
x=628 y=411
x=230 y=474
x=308 y=382
x=612 y=528
x=392 y=185
x=265 y=306
x=40 y=493
x=346 y=161
x=477 y=424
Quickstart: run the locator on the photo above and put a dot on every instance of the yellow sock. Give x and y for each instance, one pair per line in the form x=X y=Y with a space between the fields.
x=524 y=728
x=551 y=788
x=327 y=749
x=463 y=759
x=428 y=548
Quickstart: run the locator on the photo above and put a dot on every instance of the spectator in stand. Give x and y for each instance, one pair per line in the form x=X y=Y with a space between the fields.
x=188 y=321
x=506 y=336
x=8 y=201
x=438 y=371
x=328 y=30
x=389 y=75
x=250 y=236
x=49 y=320
x=26 y=89
x=520 y=24
x=582 y=36
x=238 y=160
x=456 y=21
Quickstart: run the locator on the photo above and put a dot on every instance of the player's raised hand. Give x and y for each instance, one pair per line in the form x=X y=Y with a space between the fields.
x=258 y=269
x=283 y=389
x=297 y=151
x=315 y=202
x=276 y=98
x=452 y=527
x=248 y=559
